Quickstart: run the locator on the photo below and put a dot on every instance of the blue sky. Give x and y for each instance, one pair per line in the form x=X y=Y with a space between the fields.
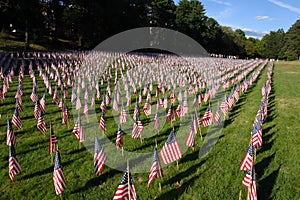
x=254 y=17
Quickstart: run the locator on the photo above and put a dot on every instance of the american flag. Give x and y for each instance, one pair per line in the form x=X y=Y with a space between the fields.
x=224 y=106
x=60 y=104
x=41 y=126
x=18 y=105
x=107 y=98
x=170 y=114
x=156 y=121
x=165 y=102
x=37 y=110
x=16 y=121
x=185 y=107
x=124 y=189
x=252 y=193
x=190 y=140
x=11 y=139
x=78 y=103
x=13 y=166
x=206 y=95
x=257 y=135
x=102 y=125
x=123 y=117
x=217 y=116
x=137 y=129
x=173 y=98
x=78 y=131
x=99 y=157
x=140 y=97
x=247 y=161
x=156 y=169
x=33 y=95
x=2 y=97
x=43 y=103
x=147 y=108
x=58 y=176
x=179 y=111
x=103 y=106
x=55 y=98
x=86 y=108
x=119 y=140
x=236 y=93
x=115 y=103
x=207 y=118
x=136 y=111
x=52 y=142
x=171 y=150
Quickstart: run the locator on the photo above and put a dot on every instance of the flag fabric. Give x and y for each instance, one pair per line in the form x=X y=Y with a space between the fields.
x=37 y=109
x=247 y=180
x=52 y=142
x=190 y=140
x=102 y=125
x=170 y=114
x=257 y=135
x=156 y=121
x=136 y=112
x=33 y=95
x=217 y=116
x=171 y=150
x=247 y=161
x=119 y=140
x=179 y=111
x=147 y=108
x=123 y=117
x=41 y=126
x=13 y=166
x=11 y=139
x=65 y=114
x=78 y=130
x=15 y=120
x=156 y=169
x=137 y=128
x=124 y=189
x=252 y=193
x=19 y=105
x=207 y=118
x=224 y=106
x=99 y=157
x=43 y=103
x=103 y=106
x=58 y=175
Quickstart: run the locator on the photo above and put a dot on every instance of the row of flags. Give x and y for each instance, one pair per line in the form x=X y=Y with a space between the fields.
x=248 y=162
x=63 y=75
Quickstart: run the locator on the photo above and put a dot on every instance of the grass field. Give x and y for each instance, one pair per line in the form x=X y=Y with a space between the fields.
x=215 y=176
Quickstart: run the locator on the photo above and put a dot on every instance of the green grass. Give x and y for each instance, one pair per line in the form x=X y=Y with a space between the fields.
x=215 y=176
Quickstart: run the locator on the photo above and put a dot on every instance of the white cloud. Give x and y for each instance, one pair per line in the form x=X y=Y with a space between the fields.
x=284 y=5
x=221 y=2
x=251 y=32
x=264 y=17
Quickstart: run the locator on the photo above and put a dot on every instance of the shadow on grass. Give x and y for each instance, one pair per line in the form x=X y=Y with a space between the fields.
x=266 y=185
x=96 y=181
x=177 y=192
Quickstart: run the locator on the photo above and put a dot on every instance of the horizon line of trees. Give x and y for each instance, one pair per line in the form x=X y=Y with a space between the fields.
x=89 y=22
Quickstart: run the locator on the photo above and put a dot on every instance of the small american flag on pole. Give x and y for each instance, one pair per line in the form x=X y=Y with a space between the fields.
x=16 y=121
x=119 y=140
x=13 y=166
x=99 y=157
x=58 y=176
x=207 y=118
x=41 y=126
x=102 y=125
x=156 y=169
x=126 y=189
x=190 y=140
x=247 y=161
x=171 y=150
x=123 y=117
x=11 y=139
x=52 y=141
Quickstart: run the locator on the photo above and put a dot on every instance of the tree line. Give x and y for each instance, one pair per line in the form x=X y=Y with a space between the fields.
x=88 y=22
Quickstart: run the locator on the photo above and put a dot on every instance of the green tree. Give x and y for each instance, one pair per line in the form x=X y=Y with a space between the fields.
x=292 y=42
x=162 y=13
x=191 y=19
x=274 y=42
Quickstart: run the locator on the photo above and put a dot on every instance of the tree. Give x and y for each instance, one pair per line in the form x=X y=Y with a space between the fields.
x=274 y=42
x=292 y=42
x=162 y=13
x=190 y=19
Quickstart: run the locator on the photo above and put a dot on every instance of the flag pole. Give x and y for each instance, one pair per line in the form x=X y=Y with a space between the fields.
x=159 y=183
x=51 y=156
x=240 y=195
x=128 y=177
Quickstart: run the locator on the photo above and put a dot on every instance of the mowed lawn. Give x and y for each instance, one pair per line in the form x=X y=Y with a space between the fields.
x=214 y=176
